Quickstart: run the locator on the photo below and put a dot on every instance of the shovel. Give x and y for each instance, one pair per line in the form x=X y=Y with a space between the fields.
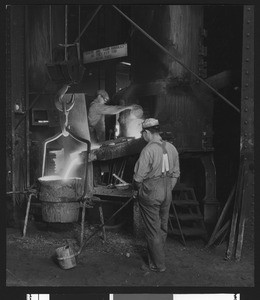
x=66 y=255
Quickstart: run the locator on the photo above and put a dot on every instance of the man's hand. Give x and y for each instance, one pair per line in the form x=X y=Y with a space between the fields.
x=136 y=185
x=135 y=194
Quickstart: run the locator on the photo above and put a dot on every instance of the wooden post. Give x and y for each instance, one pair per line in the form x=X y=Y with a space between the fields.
x=27 y=214
x=82 y=222
x=102 y=221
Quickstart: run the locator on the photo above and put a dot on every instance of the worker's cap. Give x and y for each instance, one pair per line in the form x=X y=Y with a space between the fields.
x=148 y=123
x=103 y=94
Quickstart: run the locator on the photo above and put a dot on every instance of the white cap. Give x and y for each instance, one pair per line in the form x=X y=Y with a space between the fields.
x=103 y=94
x=150 y=123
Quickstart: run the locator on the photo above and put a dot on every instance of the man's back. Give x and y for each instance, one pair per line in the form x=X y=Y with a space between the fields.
x=149 y=164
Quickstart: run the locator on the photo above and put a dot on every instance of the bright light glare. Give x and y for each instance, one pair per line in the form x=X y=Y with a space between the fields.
x=125 y=63
x=134 y=127
x=117 y=130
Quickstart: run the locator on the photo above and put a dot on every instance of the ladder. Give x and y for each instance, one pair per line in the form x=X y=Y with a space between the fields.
x=185 y=217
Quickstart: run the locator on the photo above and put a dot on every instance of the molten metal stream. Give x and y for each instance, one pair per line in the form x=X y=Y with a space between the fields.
x=72 y=164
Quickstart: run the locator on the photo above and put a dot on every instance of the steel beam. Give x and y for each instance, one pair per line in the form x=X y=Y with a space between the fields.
x=247 y=101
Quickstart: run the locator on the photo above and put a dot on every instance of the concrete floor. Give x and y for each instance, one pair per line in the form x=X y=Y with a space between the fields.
x=116 y=262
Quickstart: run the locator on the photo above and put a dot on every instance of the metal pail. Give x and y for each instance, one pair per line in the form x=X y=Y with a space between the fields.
x=66 y=257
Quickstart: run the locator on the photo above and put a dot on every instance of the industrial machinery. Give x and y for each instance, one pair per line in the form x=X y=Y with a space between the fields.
x=173 y=72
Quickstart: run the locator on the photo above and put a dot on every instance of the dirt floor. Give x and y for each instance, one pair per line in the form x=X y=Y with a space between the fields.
x=116 y=262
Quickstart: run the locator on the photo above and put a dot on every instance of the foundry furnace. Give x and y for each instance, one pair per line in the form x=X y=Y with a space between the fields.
x=173 y=72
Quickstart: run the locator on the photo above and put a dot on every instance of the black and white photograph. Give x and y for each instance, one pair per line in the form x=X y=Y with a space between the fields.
x=130 y=148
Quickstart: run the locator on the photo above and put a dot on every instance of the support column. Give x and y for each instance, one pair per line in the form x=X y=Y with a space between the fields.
x=211 y=205
x=17 y=102
x=247 y=115
x=110 y=67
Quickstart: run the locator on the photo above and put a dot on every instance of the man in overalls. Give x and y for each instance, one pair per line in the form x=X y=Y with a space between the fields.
x=155 y=175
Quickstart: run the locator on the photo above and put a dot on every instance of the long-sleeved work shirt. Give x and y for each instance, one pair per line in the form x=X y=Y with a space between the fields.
x=149 y=164
x=96 y=118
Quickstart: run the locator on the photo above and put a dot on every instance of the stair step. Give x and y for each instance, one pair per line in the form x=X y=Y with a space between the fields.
x=189 y=231
x=186 y=202
x=187 y=217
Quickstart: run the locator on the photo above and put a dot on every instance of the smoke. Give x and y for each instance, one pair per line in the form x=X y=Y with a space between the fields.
x=134 y=127
x=131 y=122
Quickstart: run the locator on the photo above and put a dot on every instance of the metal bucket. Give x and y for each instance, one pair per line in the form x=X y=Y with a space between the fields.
x=59 y=198
x=66 y=257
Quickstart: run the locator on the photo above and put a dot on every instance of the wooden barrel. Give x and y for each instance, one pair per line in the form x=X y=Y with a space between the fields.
x=59 y=198
x=53 y=212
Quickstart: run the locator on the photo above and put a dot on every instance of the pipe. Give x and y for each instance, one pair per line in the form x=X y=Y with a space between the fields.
x=176 y=59
x=27 y=214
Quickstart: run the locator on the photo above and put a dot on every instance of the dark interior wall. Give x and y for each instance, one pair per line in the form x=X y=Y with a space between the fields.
x=143 y=50
x=224 y=43
x=224 y=24
x=39 y=53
